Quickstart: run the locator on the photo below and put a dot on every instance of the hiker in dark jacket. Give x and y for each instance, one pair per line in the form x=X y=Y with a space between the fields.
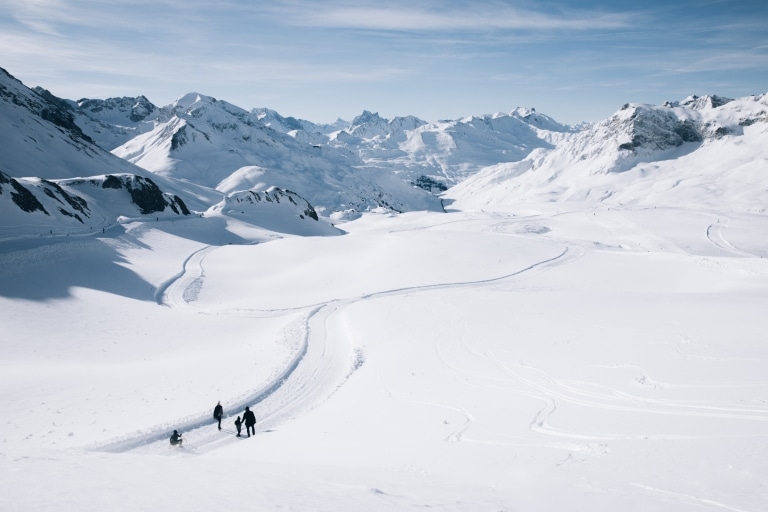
x=218 y=412
x=250 y=420
x=238 y=425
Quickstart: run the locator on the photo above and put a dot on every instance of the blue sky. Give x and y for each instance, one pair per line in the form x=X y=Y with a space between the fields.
x=575 y=61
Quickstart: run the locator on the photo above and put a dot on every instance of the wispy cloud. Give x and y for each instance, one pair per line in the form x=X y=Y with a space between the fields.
x=443 y=53
x=472 y=16
x=39 y=16
x=708 y=62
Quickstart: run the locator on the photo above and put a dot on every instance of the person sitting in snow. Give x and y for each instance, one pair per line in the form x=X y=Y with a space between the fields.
x=176 y=438
x=238 y=425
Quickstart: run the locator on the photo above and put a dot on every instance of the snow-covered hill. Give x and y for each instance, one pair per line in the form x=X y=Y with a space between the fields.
x=55 y=179
x=216 y=144
x=273 y=209
x=448 y=151
x=341 y=168
x=704 y=151
x=35 y=206
x=530 y=349
x=40 y=137
x=708 y=151
x=445 y=151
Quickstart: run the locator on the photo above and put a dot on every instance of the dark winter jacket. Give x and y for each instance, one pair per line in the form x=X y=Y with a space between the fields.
x=249 y=418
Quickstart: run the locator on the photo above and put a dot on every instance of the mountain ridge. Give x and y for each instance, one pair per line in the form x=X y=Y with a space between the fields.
x=707 y=154
x=207 y=152
x=56 y=180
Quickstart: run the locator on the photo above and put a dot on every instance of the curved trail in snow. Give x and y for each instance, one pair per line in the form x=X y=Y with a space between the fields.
x=553 y=393
x=181 y=278
x=539 y=385
x=325 y=359
x=717 y=238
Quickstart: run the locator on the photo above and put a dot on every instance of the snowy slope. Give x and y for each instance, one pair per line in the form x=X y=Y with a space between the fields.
x=583 y=330
x=373 y=162
x=542 y=358
x=704 y=152
x=447 y=151
x=273 y=209
x=212 y=142
x=40 y=137
x=34 y=206
x=54 y=179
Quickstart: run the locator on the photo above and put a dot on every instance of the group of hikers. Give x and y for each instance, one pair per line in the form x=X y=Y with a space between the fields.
x=249 y=420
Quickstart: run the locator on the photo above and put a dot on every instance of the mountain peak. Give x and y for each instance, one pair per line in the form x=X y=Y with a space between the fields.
x=695 y=102
x=367 y=117
x=135 y=109
x=542 y=121
x=706 y=101
x=190 y=99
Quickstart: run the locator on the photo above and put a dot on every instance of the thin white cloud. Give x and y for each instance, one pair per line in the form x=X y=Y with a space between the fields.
x=244 y=52
x=723 y=61
x=470 y=16
x=70 y=18
x=39 y=16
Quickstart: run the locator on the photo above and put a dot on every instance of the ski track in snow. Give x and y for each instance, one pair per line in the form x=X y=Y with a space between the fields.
x=552 y=392
x=689 y=498
x=716 y=236
x=538 y=385
x=320 y=367
x=316 y=371
x=569 y=254
x=181 y=279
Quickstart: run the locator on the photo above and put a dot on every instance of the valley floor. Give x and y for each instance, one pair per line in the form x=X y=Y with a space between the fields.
x=555 y=357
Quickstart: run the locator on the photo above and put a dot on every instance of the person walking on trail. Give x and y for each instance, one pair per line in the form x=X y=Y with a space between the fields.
x=238 y=425
x=250 y=420
x=218 y=413
x=176 y=438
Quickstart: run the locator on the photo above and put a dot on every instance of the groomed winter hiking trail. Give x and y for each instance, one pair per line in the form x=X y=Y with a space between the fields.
x=325 y=358
x=326 y=354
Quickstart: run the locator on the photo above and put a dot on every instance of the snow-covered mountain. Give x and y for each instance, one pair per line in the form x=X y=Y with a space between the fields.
x=447 y=151
x=367 y=163
x=40 y=137
x=221 y=146
x=115 y=121
x=531 y=348
x=277 y=122
x=55 y=178
x=706 y=150
x=703 y=151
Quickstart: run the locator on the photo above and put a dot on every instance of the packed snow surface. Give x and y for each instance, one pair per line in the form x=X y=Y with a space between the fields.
x=554 y=357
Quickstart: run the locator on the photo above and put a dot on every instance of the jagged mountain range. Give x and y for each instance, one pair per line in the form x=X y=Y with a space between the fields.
x=207 y=155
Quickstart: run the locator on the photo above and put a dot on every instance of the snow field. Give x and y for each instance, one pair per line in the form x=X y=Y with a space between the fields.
x=545 y=358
